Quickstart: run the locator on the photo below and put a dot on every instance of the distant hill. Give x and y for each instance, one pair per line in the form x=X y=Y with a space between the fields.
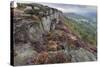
x=84 y=26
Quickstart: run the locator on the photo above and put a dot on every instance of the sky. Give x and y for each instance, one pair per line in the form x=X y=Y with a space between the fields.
x=68 y=8
x=73 y=8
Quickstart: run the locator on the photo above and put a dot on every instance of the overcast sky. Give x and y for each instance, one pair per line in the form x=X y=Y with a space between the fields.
x=66 y=8
x=73 y=8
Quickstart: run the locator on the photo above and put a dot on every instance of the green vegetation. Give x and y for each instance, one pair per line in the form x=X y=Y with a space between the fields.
x=84 y=30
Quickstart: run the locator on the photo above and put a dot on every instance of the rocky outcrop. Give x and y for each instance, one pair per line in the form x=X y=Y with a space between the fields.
x=81 y=55
x=41 y=36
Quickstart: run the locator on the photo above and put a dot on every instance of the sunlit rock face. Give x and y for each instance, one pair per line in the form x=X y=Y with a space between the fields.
x=40 y=36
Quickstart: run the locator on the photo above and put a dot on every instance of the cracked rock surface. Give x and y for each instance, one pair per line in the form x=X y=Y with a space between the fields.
x=40 y=36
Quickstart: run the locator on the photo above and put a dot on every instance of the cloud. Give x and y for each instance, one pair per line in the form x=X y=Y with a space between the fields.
x=68 y=7
x=72 y=8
